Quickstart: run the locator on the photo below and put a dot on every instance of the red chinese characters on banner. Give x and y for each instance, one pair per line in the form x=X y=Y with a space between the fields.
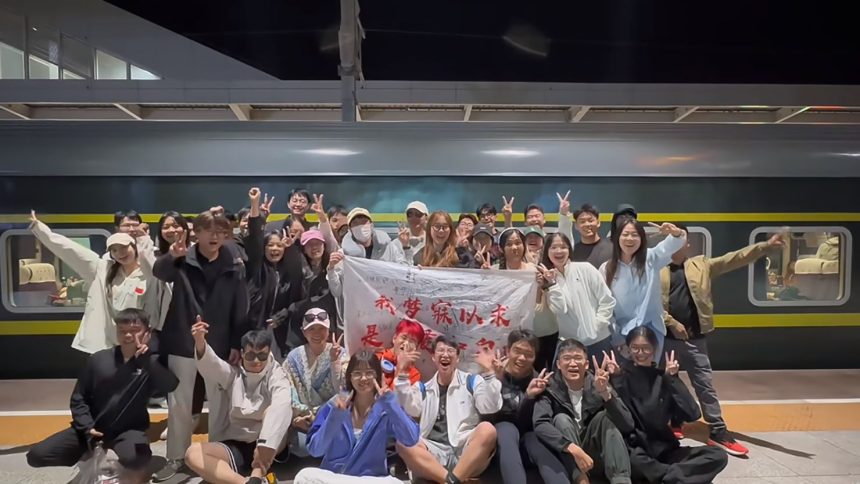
x=487 y=343
x=470 y=317
x=385 y=303
x=369 y=338
x=412 y=307
x=429 y=336
x=441 y=312
x=497 y=317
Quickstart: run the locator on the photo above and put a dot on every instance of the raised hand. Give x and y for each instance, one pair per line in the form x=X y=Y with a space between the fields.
x=342 y=400
x=611 y=364
x=266 y=206
x=33 y=219
x=672 y=365
x=507 y=207
x=336 y=349
x=287 y=239
x=254 y=196
x=601 y=377
x=483 y=258
x=179 y=249
x=403 y=234
x=538 y=384
x=319 y=208
x=563 y=203
x=406 y=359
x=668 y=229
x=484 y=359
x=500 y=362
x=217 y=210
x=142 y=343
x=381 y=388
x=549 y=276
x=334 y=259
x=776 y=240
x=199 y=330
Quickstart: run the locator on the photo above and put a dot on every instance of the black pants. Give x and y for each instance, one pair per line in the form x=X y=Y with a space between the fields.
x=546 y=352
x=602 y=441
x=688 y=465
x=65 y=449
x=515 y=453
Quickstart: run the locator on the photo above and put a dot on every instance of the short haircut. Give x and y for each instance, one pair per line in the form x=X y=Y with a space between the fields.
x=487 y=207
x=531 y=207
x=410 y=329
x=129 y=214
x=586 y=208
x=361 y=359
x=257 y=339
x=446 y=340
x=208 y=221
x=131 y=316
x=299 y=191
x=571 y=345
x=526 y=335
x=469 y=216
x=645 y=332
x=337 y=210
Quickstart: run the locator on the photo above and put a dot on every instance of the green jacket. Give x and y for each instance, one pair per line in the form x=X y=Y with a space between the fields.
x=699 y=271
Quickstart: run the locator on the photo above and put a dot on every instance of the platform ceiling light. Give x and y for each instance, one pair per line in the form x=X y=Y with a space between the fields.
x=332 y=152
x=512 y=153
x=528 y=39
x=850 y=155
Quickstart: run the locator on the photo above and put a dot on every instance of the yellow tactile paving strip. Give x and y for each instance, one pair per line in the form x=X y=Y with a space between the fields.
x=777 y=417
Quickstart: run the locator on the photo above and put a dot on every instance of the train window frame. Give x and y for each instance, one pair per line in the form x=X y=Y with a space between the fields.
x=846 y=264
x=694 y=229
x=6 y=267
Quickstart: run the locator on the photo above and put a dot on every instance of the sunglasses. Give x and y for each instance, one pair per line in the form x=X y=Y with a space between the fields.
x=251 y=356
x=320 y=316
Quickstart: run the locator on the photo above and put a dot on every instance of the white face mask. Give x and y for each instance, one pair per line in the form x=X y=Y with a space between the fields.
x=362 y=233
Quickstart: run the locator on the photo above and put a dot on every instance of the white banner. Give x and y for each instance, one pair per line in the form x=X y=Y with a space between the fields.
x=478 y=307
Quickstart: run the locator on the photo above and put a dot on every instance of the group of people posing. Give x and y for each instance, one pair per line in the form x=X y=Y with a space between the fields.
x=245 y=312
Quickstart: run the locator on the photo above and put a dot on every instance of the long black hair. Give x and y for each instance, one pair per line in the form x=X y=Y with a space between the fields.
x=639 y=257
x=163 y=244
x=503 y=241
x=547 y=242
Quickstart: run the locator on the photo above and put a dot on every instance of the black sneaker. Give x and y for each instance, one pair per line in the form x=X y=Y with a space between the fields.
x=168 y=471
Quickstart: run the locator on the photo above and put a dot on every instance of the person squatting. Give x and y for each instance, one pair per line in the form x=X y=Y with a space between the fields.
x=245 y=312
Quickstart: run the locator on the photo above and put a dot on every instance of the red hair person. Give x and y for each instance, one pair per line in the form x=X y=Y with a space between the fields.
x=405 y=352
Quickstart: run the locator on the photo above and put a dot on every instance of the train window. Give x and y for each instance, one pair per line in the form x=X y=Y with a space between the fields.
x=812 y=269
x=34 y=280
x=698 y=237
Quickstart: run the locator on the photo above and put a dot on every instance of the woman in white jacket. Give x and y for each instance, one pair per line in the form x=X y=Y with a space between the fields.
x=577 y=294
x=633 y=274
x=115 y=283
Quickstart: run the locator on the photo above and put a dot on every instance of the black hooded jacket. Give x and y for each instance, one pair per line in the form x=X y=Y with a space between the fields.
x=266 y=288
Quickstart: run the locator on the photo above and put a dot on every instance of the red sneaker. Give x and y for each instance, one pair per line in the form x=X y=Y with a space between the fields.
x=724 y=441
x=679 y=432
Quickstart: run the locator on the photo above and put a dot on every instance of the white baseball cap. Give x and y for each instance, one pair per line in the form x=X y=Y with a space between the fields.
x=420 y=206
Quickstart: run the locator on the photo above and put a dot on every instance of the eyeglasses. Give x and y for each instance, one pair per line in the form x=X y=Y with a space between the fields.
x=363 y=375
x=445 y=351
x=573 y=358
x=440 y=227
x=320 y=316
x=250 y=356
x=645 y=350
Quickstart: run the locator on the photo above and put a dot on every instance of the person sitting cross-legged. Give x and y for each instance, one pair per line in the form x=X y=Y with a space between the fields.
x=257 y=394
x=455 y=445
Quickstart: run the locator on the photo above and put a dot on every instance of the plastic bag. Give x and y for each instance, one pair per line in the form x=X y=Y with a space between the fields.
x=89 y=469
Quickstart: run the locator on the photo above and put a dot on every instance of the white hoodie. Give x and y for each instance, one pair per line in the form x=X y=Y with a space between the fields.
x=582 y=304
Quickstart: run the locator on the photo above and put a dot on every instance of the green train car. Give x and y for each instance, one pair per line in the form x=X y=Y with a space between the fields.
x=798 y=308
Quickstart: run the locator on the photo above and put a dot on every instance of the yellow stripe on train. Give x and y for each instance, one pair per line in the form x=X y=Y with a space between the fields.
x=35 y=328
x=783 y=217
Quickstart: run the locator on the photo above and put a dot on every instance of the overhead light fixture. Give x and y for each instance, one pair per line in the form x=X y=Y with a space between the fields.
x=850 y=155
x=514 y=153
x=332 y=152
x=528 y=39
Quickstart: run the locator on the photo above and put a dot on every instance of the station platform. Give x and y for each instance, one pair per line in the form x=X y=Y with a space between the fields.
x=800 y=426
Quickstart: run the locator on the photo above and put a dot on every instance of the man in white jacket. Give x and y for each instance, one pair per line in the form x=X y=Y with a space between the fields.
x=260 y=411
x=455 y=445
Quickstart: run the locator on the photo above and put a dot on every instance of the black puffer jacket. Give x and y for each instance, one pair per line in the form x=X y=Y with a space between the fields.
x=223 y=302
x=517 y=407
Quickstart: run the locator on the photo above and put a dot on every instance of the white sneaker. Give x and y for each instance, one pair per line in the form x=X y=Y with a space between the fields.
x=195 y=420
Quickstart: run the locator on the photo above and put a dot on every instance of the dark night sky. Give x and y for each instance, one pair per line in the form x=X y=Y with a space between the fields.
x=598 y=41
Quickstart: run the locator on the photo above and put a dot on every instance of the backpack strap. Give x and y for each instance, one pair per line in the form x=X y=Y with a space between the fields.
x=470 y=383
x=423 y=389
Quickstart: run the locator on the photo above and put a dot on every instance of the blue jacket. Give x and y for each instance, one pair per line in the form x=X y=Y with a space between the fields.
x=331 y=437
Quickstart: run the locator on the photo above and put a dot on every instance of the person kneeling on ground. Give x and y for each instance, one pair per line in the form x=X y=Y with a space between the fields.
x=352 y=430
x=656 y=396
x=109 y=403
x=454 y=445
x=580 y=418
x=259 y=415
